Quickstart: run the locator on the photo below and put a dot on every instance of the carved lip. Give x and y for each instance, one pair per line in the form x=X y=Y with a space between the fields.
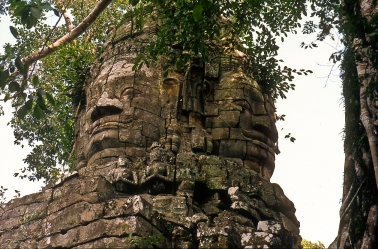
x=259 y=136
x=108 y=123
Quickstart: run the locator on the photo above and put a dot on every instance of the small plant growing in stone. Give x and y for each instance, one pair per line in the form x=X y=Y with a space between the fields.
x=141 y=242
x=2 y=193
x=146 y=242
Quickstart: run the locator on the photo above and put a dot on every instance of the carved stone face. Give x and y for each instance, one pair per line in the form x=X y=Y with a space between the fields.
x=122 y=112
x=244 y=125
x=216 y=109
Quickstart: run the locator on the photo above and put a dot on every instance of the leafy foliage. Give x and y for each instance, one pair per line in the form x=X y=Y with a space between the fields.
x=2 y=193
x=47 y=94
x=45 y=109
x=306 y=244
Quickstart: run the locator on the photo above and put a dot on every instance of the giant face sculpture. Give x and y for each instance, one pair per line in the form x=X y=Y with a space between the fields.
x=244 y=125
x=217 y=109
x=122 y=114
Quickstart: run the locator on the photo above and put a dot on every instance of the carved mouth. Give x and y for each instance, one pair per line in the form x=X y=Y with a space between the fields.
x=109 y=123
x=261 y=137
x=97 y=127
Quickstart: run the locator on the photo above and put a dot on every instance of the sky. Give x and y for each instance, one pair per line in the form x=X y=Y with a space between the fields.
x=310 y=170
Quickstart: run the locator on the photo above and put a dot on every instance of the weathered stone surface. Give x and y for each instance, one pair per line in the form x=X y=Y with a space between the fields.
x=176 y=161
x=72 y=216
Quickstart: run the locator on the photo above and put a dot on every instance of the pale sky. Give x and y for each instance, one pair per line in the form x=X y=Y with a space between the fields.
x=310 y=170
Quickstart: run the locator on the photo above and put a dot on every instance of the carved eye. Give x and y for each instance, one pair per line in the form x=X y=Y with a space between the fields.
x=130 y=92
x=170 y=81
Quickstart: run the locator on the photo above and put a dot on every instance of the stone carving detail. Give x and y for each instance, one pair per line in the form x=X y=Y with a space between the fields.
x=181 y=161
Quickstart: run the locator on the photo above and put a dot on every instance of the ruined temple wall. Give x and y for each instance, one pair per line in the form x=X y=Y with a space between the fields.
x=89 y=213
x=181 y=161
x=77 y=213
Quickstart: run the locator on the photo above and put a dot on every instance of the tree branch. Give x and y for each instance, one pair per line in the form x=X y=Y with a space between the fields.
x=76 y=32
x=66 y=17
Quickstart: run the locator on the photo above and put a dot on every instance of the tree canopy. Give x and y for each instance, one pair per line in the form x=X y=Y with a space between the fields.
x=43 y=72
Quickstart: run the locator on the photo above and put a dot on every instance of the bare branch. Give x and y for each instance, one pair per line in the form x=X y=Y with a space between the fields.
x=66 y=17
x=76 y=32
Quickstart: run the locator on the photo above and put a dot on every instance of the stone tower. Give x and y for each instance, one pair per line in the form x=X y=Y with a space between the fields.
x=181 y=160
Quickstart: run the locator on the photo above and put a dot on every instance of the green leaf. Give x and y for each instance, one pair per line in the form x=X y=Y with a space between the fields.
x=31 y=22
x=28 y=104
x=134 y=2
x=4 y=75
x=14 y=31
x=197 y=12
x=56 y=12
x=50 y=98
x=7 y=97
x=36 y=12
x=41 y=91
x=19 y=65
x=37 y=112
x=21 y=113
x=25 y=12
x=35 y=81
x=14 y=87
x=41 y=102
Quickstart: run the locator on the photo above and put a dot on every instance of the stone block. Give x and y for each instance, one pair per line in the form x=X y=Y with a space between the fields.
x=195 y=120
x=270 y=108
x=133 y=137
x=135 y=152
x=72 y=216
x=34 y=211
x=211 y=109
x=169 y=113
x=151 y=131
x=265 y=190
x=30 y=230
x=288 y=224
x=255 y=150
x=29 y=244
x=263 y=124
x=134 y=205
x=211 y=160
x=254 y=166
x=233 y=148
x=119 y=227
x=217 y=183
x=257 y=108
x=198 y=140
x=150 y=118
x=267 y=240
x=176 y=204
x=73 y=198
x=214 y=170
x=99 y=185
x=226 y=119
x=269 y=226
x=229 y=105
x=216 y=237
x=43 y=196
x=238 y=175
x=112 y=242
x=146 y=105
x=237 y=134
x=220 y=133
x=231 y=93
x=246 y=120
x=253 y=94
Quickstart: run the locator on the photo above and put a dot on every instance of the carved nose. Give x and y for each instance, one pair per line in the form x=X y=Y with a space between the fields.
x=106 y=107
